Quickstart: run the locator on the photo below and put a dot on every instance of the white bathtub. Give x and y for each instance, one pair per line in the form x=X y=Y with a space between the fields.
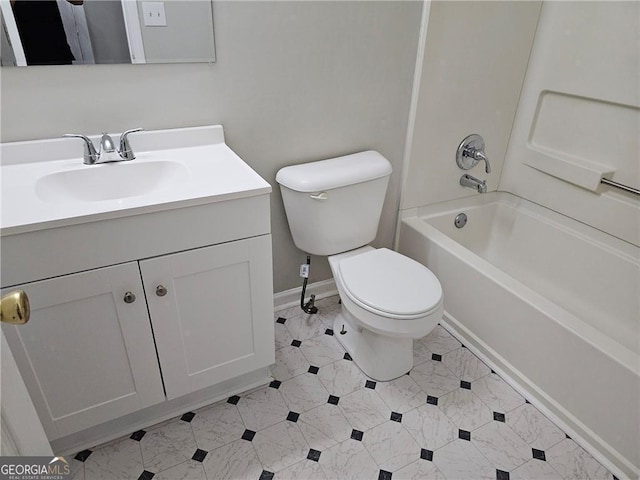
x=552 y=303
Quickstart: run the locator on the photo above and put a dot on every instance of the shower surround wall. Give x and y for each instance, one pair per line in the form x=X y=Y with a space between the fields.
x=474 y=64
x=293 y=82
x=579 y=116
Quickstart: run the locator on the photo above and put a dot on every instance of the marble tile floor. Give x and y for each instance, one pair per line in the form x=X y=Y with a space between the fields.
x=450 y=418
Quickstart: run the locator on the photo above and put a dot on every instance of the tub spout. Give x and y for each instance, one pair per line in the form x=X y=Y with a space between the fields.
x=470 y=181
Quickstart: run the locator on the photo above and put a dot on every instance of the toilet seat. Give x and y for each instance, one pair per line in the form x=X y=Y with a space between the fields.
x=391 y=285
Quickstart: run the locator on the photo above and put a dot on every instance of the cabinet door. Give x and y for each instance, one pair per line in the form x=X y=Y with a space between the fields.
x=86 y=355
x=215 y=320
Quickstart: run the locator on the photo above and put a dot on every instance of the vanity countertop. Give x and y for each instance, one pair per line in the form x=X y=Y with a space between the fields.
x=203 y=170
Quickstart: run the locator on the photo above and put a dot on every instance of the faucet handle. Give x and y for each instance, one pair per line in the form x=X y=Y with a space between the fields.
x=480 y=155
x=470 y=152
x=90 y=153
x=125 y=149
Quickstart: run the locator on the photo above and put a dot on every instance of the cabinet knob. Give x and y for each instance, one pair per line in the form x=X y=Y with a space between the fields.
x=161 y=291
x=129 y=297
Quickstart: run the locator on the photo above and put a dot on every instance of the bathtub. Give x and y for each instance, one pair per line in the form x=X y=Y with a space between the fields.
x=550 y=303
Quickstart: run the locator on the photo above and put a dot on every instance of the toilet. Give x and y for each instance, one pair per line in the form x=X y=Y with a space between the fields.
x=333 y=208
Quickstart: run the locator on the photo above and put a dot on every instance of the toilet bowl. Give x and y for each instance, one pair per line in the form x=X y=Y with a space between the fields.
x=388 y=300
x=333 y=208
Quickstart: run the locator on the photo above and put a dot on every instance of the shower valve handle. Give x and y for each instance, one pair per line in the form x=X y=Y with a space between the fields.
x=470 y=152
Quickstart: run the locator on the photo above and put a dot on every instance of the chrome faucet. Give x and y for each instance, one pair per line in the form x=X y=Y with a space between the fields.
x=470 y=152
x=467 y=180
x=107 y=152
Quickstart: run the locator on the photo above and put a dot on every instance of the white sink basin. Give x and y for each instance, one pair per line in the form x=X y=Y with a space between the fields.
x=44 y=184
x=108 y=181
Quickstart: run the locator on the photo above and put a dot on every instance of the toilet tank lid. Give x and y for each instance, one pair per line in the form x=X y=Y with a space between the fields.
x=334 y=172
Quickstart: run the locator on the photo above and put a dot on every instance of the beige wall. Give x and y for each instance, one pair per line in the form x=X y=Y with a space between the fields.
x=579 y=116
x=473 y=68
x=293 y=82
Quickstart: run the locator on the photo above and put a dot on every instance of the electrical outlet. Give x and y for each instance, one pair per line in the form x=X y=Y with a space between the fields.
x=153 y=14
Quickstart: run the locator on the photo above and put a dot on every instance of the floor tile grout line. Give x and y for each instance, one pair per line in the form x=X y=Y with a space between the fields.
x=168 y=468
x=318 y=336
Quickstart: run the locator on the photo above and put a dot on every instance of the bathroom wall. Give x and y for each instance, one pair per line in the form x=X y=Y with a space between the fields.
x=579 y=116
x=293 y=82
x=474 y=65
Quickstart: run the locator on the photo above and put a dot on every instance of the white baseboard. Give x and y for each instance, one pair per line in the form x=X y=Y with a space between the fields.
x=291 y=298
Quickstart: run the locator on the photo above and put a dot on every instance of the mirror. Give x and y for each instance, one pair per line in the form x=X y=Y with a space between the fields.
x=81 y=32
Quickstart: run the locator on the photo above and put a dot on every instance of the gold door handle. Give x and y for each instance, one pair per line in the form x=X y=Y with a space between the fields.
x=14 y=308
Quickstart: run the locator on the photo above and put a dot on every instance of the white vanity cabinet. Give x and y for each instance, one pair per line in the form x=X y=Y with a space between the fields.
x=86 y=355
x=195 y=252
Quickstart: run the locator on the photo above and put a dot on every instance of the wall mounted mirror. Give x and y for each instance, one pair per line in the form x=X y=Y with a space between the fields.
x=81 y=32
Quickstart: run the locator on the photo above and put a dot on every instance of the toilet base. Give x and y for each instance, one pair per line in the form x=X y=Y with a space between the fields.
x=379 y=357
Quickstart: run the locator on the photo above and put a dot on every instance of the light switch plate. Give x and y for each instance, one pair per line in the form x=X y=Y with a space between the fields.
x=153 y=14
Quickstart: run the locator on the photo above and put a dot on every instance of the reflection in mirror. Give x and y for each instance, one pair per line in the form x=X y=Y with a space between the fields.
x=65 y=32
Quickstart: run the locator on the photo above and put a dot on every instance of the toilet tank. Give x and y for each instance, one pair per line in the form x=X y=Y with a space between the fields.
x=334 y=205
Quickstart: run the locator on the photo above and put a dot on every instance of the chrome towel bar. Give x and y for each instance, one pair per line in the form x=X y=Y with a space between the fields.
x=626 y=188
